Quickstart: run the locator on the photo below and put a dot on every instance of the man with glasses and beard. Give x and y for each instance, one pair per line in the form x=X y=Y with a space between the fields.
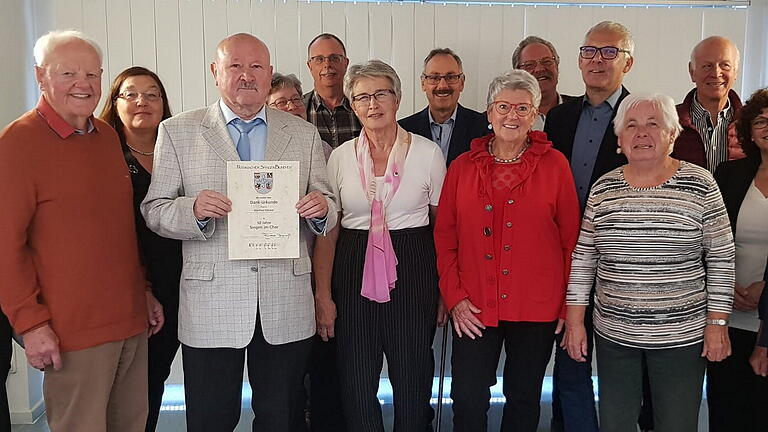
x=444 y=121
x=539 y=57
x=327 y=108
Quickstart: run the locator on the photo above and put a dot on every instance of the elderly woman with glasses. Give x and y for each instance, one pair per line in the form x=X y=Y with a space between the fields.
x=656 y=245
x=508 y=222
x=737 y=399
x=384 y=280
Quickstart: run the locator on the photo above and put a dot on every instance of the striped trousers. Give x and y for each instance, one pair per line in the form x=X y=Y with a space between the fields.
x=402 y=329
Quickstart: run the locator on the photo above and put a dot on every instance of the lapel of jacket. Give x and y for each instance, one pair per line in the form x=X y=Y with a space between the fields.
x=422 y=125
x=459 y=143
x=277 y=138
x=216 y=134
x=607 y=158
x=568 y=131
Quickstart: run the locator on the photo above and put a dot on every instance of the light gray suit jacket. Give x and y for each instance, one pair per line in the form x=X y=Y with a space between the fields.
x=219 y=298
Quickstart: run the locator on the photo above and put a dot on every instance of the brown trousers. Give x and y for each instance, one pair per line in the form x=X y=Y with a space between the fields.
x=99 y=389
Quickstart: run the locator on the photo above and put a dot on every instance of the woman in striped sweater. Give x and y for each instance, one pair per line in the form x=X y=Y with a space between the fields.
x=657 y=246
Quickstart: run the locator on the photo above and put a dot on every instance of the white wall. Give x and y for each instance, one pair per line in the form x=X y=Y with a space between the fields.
x=177 y=38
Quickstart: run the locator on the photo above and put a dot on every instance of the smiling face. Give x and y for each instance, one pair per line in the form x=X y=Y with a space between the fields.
x=243 y=74
x=327 y=73
x=644 y=138
x=511 y=128
x=546 y=76
x=71 y=81
x=600 y=75
x=760 y=135
x=442 y=97
x=140 y=113
x=375 y=115
x=714 y=68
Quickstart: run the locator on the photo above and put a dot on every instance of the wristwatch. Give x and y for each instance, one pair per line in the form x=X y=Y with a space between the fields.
x=717 y=322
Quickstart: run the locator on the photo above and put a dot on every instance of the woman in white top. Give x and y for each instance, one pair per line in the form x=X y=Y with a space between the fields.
x=736 y=397
x=383 y=284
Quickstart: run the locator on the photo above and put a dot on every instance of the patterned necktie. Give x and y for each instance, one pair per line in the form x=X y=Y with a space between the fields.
x=244 y=143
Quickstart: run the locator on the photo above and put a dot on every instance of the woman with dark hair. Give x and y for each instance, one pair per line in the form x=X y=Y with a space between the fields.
x=136 y=105
x=736 y=397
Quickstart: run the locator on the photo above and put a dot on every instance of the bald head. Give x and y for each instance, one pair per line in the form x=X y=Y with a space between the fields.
x=714 y=67
x=243 y=74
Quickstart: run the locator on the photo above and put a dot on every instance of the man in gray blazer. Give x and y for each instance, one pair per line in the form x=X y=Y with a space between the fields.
x=228 y=308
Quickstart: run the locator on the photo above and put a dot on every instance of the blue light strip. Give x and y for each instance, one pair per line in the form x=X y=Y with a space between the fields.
x=662 y=5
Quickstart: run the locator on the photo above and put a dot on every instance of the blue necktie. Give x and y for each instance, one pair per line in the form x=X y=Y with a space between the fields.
x=244 y=143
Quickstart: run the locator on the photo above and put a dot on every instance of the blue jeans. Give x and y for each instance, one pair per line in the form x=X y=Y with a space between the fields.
x=573 y=397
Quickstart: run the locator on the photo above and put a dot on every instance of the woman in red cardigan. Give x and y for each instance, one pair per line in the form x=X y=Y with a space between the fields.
x=507 y=223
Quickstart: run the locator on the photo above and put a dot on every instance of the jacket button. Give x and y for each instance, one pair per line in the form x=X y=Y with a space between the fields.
x=509 y=224
x=488 y=256
x=506 y=247
x=505 y=272
x=487 y=231
x=254 y=269
x=503 y=296
x=511 y=202
x=488 y=207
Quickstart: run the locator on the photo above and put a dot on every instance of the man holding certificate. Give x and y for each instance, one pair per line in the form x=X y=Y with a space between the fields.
x=227 y=181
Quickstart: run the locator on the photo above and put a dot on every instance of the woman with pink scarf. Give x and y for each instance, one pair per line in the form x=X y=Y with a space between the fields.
x=376 y=276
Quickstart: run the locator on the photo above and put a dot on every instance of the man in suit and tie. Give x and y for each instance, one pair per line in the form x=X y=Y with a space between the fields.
x=230 y=307
x=444 y=121
x=583 y=130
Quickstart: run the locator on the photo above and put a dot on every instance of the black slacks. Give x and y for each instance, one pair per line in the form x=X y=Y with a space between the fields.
x=213 y=379
x=528 y=346
x=162 y=348
x=6 y=350
x=326 y=412
x=402 y=329
x=737 y=398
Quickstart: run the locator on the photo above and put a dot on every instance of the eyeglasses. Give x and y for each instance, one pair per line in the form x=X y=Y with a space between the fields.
x=546 y=62
x=606 y=52
x=435 y=79
x=282 y=104
x=760 y=123
x=521 y=109
x=381 y=96
x=333 y=59
x=133 y=96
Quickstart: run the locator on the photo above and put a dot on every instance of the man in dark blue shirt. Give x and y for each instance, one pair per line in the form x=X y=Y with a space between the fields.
x=582 y=129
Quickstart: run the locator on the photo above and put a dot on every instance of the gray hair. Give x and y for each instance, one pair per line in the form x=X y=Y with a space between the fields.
x=669 y=120
x=529 y=41
x=515 y=79
x=442 y=51
x=712 y=39
x=371 y=69
x=280 y=81
x=613 y=27
x=49 y=41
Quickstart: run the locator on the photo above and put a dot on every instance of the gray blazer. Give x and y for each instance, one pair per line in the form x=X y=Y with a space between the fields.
x=219 y=298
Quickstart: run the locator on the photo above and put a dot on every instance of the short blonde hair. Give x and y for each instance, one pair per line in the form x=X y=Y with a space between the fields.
x=371 y=69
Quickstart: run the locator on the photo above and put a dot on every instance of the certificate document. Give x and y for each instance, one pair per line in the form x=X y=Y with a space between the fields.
x=263 y=223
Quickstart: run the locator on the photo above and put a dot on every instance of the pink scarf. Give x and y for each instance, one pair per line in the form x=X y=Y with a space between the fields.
x=379 y=270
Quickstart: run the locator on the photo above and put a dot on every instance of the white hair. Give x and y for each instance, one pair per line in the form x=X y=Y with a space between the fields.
x=515 y=79
x=666 y=105
x=49 y=41
x=613 y=27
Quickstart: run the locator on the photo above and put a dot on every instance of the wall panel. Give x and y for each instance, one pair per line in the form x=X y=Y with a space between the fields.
x=143 y=42
x=194 y=62
x=169 y=52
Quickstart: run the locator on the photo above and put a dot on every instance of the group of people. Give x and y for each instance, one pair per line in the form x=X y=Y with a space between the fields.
x=546 y=222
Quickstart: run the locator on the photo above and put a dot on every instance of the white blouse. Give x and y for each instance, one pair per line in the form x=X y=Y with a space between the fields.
x=751 y=250
x=420 y=185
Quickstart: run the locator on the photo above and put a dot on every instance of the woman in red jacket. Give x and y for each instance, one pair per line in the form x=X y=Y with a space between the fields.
x=507 y=223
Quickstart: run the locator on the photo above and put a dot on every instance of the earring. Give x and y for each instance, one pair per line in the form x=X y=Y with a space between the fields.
x=618 y=150
x=490 y=127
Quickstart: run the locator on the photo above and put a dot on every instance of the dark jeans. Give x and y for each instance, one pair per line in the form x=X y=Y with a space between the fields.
x=736 y=397
x=162 y=348
x=528 y=346
x=213 y=379
x=676 y=376
x=573 y=397
x=6 y=350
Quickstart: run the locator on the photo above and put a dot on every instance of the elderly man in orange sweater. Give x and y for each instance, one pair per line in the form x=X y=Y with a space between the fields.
x=70 y=278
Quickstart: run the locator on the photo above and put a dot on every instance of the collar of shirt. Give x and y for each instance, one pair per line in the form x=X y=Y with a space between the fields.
x=612 y=100
x=317 y=103
x=230 y=115
x=58 y=124
x=257 y=136
x=442 y=132
x=451 y=118
x=698 y=111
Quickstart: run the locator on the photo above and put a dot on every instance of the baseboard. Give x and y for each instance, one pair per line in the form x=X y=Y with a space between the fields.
x=30 y=416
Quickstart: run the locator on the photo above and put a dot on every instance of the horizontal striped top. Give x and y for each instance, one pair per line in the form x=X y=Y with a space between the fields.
x=660 y=258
